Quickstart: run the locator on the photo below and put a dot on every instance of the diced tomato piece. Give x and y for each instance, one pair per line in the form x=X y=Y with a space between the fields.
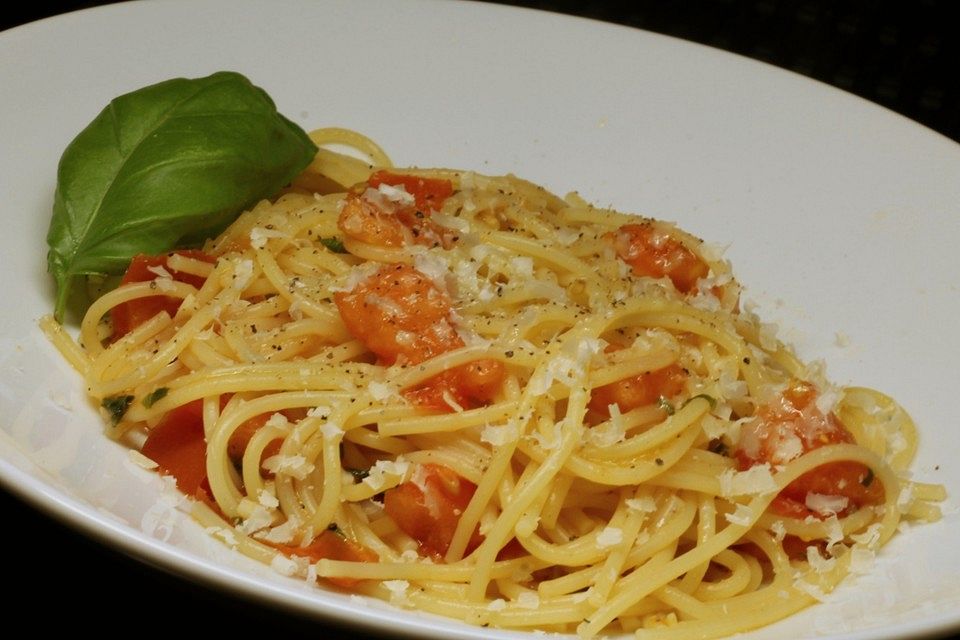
x=429 y=193
x=390 y=224
x=332 y=545
x=639 y=391
x=178 y=447
x=654 y=253
x=398 y=312
x=364 y=221
x=471 y=385
x=791 y=426
x=128 y=316
x=429 y=507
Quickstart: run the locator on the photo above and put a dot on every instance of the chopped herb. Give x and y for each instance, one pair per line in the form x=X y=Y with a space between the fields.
x=116 y=406
x=157 y=394
x=359 y=474
x=334 y=244
x=867 y=479
x=718 y=446
x=666 y=405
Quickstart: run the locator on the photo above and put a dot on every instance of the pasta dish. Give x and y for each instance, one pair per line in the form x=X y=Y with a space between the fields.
x=466 y=395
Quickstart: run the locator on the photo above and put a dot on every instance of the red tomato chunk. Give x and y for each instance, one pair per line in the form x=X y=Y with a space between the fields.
x=791 y=426
x=398 y=313
x=390 y=224
x=128 y=316
x=428 y=508
x=654 y=253
x=638 y=391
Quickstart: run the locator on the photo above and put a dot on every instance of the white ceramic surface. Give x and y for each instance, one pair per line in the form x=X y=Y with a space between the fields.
x=842 y=220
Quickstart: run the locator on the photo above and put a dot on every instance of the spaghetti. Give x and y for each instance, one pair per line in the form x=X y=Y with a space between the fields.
x=468 y=396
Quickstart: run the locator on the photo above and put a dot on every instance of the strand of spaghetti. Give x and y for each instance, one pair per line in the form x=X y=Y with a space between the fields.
x=419 y=570
x=224 y=491
x=324 y=511
x=571 y=431
x=642 y=581
x=585 y=550
x=544 y=254
x=487 y=486
x=706 y=527
x=351 y=138
x=671 y=520
x=164 y=354
x=613 y=564
x=66 y=345
x=253 y=455
x=733 y=584
x=129 y=351
x=637 y=472
x=652 y=438
x=89 y=334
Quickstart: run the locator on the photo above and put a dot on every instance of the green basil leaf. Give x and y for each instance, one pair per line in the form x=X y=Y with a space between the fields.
x=117 y=407
x=333 y=243
x=167 y=165
x=155 y=396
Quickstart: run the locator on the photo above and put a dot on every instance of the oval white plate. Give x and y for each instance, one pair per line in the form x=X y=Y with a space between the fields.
x=842 y=220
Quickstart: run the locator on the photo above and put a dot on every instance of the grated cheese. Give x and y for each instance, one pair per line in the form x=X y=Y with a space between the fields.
x=294 y=466
x=378 y=472
x=743 y=515
x=609 y=537
x=826 y=505
x=757 y=480
x=497 y=605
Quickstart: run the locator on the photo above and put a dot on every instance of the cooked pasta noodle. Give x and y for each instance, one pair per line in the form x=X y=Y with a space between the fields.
x=468 y=396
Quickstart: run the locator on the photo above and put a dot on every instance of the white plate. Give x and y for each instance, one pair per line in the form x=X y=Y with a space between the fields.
x=842 y=220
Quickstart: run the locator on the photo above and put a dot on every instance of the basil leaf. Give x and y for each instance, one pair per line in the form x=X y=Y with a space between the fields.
x=167 y=165
x=117 y=407
x=155 y=396
x=333 y=243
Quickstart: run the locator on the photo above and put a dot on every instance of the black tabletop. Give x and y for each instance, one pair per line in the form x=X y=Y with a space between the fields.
x=902 y=55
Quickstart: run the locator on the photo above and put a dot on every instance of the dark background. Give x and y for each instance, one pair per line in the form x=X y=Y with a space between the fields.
x=902 y=55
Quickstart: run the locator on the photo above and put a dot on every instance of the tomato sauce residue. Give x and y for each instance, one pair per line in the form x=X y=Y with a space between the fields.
x=654 y=253
x=791 y=426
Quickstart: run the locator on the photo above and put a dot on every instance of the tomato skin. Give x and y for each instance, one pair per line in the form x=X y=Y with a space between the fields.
x=790 y=426
x=638 y=391
x=398 y=312
x=429 y=194
x=398 y=224
x=366 y=222
x=471 y=385
x=178 y=447
x=429 y=510
x=129 y=315
x=331 y=545
x=656 y=254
